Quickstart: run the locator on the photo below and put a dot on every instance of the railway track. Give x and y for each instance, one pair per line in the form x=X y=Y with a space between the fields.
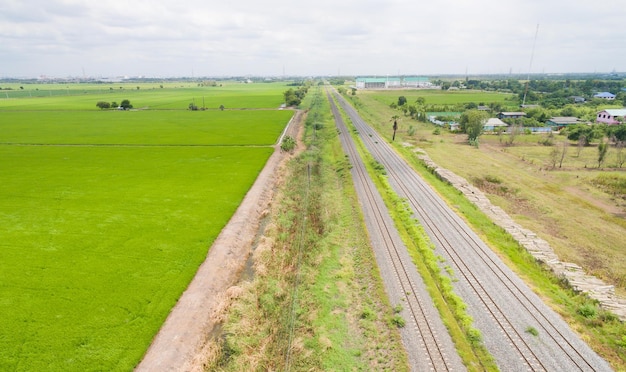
x=503 y=307
x=427 y=341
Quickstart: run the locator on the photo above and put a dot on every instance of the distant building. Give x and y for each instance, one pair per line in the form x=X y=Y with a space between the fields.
x=483 y=108
x=605 y=95
x=610 y=116
x=393 y=82
x=577 y=99
x=560 y=122
x=493 y=124
x=511 y=115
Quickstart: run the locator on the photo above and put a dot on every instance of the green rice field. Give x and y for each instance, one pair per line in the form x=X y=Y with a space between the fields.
x=105 y=217
x=150 y=127
x=232 y=95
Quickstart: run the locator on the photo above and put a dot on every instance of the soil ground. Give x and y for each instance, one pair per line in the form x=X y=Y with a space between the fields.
x=179 y=344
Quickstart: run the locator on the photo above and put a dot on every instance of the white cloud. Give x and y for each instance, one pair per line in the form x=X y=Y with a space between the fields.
x=170 y=38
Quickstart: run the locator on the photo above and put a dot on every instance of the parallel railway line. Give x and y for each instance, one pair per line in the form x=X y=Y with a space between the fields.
x=428 y=350
x=502 y=305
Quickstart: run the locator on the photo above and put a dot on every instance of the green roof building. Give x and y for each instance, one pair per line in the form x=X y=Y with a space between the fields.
x=393 y=82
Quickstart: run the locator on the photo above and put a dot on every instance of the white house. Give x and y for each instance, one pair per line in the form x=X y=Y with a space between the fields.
x=605 y=95
x=493 y=124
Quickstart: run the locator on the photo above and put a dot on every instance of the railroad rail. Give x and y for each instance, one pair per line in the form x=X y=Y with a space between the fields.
x=502 y=305
x=428 y=344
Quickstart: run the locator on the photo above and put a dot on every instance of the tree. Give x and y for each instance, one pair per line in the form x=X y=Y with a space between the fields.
x=619 y=153
x=222 y=107
x=291 y=99
x=472 y=122
x=576 y=132
x=126 y=105
x=557 y=154
x=514 y=131
x=603 y=148
x=401 y=100
x=581 y=144
x=103 y=105
x=618 y=132
x=564 y=146
x=395 y=126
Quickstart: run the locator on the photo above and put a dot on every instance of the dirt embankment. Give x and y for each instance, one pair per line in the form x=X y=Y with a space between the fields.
x=180 y=343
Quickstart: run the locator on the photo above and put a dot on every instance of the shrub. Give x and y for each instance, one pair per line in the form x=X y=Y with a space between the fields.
x=474 y=336
x=398 y=321
x=288 y=144
x=103 y=105
x=532 y=330
x=367 y=313
x=588 y=310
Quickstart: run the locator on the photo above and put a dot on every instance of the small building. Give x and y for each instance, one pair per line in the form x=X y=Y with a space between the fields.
x=511 y=115
x=416 y=82
x=393 y=82
x=560 y=122
x=371 y=83
x=610 y=116
x=605 y=95
x=577 y=99
x=493 y=124
x=483 y=108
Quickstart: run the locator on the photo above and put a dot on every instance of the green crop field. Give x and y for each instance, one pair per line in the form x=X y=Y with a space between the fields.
x=150 y=127
x=231 y=95
x=101 y=237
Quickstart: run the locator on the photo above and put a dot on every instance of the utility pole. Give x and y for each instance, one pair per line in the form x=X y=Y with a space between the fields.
x=532 y=54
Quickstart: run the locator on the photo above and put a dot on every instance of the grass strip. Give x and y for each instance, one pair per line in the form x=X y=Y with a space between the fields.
x=341 y=313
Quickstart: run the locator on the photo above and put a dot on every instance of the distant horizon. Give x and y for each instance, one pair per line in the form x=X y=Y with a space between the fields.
x=250 y=76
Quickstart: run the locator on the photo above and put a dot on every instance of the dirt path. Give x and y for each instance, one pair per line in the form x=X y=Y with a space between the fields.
x=178 y=345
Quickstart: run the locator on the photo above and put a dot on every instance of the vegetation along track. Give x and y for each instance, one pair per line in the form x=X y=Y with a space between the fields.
x=519 y=330
x=428 y=344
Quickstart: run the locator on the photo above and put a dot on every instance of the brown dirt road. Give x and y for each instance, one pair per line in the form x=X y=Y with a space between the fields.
x=178 y=345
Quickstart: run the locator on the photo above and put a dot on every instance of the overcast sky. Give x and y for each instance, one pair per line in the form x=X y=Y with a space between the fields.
x=163 y=38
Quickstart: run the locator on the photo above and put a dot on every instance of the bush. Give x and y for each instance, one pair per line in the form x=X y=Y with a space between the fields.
x=288 y=144
x=532 y=330
x=368 y=313
x=103 y=105
x=474 y=336
x=588 y=310
x=398 y=321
